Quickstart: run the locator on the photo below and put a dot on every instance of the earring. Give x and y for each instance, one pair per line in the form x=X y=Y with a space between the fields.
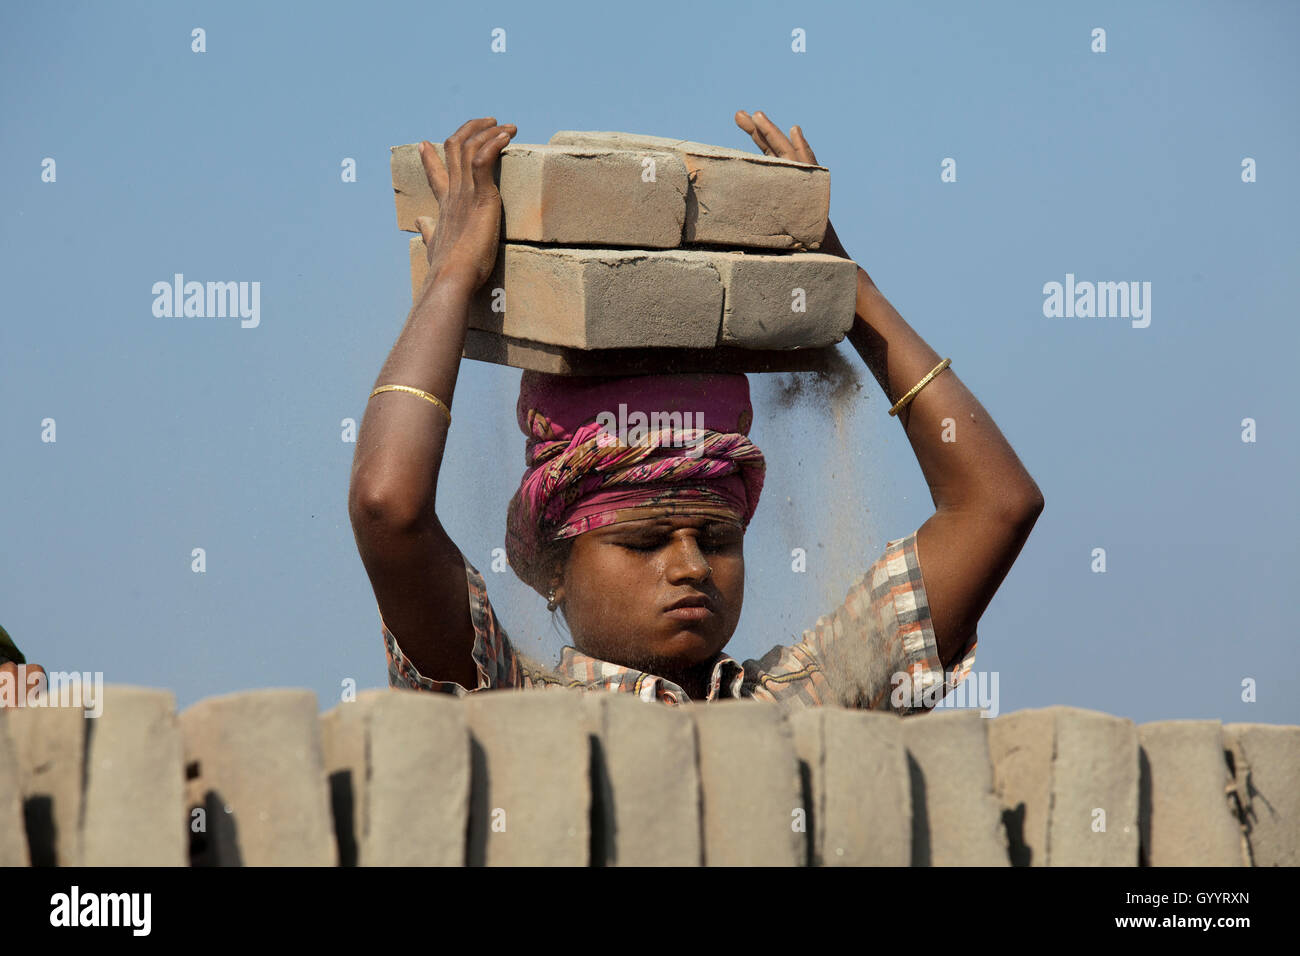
x=550 y=601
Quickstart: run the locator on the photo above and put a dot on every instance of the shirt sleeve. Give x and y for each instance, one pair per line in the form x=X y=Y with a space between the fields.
x=493 y=655
x=878 y=648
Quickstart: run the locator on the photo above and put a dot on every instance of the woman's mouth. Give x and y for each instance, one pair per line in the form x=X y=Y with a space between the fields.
x=689 y=613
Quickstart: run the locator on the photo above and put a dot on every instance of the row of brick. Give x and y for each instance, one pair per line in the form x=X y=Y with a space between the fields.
x=560 y=360
x=644 y=192
x=528 y=778
x=687 y=299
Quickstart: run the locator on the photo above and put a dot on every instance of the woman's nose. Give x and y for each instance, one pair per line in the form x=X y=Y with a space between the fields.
x=687 y=560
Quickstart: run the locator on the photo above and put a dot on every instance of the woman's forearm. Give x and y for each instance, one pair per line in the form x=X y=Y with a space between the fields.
x=966 y=461
x=402 y=436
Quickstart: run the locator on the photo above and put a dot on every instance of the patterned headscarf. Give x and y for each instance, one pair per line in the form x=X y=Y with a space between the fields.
x=687 y=452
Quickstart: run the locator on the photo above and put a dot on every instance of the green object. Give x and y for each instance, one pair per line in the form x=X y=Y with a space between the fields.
x=9 y=652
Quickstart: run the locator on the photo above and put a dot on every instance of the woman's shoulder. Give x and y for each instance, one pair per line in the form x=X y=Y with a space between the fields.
x=495 y=654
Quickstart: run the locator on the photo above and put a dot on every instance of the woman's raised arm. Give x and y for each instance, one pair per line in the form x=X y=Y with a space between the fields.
x=416 y=570
x=986 y=503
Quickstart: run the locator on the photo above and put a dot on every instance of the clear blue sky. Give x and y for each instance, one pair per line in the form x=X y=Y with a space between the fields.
x=180 y=433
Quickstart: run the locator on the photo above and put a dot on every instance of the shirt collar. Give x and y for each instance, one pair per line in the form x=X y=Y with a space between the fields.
x=725 y=681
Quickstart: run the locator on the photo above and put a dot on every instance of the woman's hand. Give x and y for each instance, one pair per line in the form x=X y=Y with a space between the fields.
x=773 y=142
x=463 y=246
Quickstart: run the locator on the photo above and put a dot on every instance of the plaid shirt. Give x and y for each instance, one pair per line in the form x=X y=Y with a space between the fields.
x=882 y=628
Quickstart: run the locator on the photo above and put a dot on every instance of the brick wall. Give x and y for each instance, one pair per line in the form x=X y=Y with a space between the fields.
x=397 y=777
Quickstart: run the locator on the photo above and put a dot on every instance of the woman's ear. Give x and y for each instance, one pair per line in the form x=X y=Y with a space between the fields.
x=557 y=561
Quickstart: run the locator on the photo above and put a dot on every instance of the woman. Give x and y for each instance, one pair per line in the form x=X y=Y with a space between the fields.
x=642 y=547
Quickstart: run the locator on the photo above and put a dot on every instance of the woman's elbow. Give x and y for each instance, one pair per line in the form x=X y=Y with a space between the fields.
x=1028 y=506
x=371 y=505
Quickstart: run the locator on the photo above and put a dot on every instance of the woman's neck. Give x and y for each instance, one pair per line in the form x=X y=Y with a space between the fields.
x=693 y=680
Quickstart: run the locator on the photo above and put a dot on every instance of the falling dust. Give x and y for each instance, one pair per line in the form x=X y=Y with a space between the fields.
x=823 y=486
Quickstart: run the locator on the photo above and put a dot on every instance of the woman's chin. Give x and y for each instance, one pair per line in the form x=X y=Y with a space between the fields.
x=688 y=645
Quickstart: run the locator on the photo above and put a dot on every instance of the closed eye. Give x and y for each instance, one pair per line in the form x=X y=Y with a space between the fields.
x=718 y=542
x=638 y=547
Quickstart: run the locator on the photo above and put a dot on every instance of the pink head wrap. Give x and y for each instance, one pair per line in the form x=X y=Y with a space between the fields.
x=604 y=450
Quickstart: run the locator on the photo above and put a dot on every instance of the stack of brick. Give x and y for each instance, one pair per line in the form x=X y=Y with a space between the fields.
x=555 y=778
x=622 y=253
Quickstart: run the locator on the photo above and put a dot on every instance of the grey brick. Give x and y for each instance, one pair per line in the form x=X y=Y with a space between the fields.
x=258 y=773
x=135 y=782
x=736 y=198
x=1021 y=745
x=1184 y=810
x=50 y=746
x=956 y=817
x=1267 y=774
x=1095 y=768
x=13 y=831
x=1053 y=769
x=557 y=360
x=867 y=815
x=531 y=796
x=760 y=306
x=810 y=749
x=419 y=780
x=566 y=195
x=347 y=772
x=594 y=298
x=647 y=788
x=749 y=774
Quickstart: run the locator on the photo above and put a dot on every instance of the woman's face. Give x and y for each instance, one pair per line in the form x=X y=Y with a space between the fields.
x=620 y=580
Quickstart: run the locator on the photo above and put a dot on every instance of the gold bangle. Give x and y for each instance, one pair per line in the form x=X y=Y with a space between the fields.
x=415 y=391
x=919 y=385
